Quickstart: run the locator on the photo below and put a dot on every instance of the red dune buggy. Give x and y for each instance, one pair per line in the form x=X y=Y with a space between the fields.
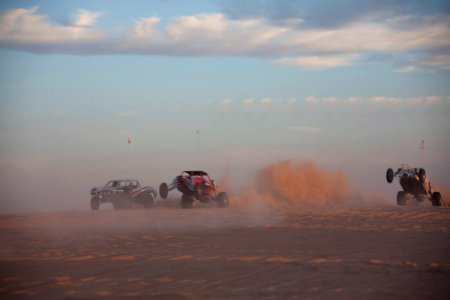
x=194 y=185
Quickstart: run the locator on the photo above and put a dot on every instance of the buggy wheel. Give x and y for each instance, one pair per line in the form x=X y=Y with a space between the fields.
x=422 y=175
x=389 y=175
x=95 y=203
x=147 y=200
x=222 y=199
x=186 y=201
x=401 y=198
x=163 y=190
x=436 y=199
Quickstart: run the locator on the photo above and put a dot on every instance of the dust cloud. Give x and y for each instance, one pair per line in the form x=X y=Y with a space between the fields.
x=290 y=183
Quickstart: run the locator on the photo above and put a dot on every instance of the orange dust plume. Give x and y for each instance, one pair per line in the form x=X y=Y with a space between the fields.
x=288 y=182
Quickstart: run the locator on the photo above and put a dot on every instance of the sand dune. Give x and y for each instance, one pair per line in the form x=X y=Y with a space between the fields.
x=245 y=252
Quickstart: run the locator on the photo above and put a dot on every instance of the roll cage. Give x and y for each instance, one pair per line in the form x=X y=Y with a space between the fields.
x=123 y=183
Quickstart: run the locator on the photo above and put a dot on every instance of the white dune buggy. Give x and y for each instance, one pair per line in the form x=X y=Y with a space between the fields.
x=122 y=193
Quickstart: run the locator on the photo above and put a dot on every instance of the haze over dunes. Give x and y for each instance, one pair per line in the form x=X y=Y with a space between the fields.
x=219 y=85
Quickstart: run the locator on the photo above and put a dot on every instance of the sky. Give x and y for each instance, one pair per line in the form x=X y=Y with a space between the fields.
x=224 y=86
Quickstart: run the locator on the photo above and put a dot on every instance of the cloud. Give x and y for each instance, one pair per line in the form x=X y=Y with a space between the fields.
x=248 y=102
x=376 y=100
x=406 y=69
x=265 y=101
x=269 y=104
x=317 y=62
x=190 y=26
x=146 y=27
x=436 y=62
x=311 y=100
x=432 y=99
x=414 y=101
x=354 y=100
x=24 y=29
x=226 y=104
x=291 y=101
x=307 y=129
x=330 y=100
x=423 y=39
x=329 y=14
x=432 y=61
x=388 y=100
x=85 y=18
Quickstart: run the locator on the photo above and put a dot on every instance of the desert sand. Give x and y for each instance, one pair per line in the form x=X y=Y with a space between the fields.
x=240 y=252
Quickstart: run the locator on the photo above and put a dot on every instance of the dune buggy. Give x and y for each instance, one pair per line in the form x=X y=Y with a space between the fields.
x=194 y=185
x=415 y=184
x=122 y=193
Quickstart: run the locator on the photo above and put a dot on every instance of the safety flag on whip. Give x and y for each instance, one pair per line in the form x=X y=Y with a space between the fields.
x=129 y=141
x=422 y=146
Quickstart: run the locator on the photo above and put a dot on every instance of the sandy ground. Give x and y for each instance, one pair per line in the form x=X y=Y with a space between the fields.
x=264 y=252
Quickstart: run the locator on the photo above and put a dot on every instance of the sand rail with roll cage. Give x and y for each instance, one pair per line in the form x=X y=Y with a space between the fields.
x=415 y=184
x=195 y=185
x=122 y=193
